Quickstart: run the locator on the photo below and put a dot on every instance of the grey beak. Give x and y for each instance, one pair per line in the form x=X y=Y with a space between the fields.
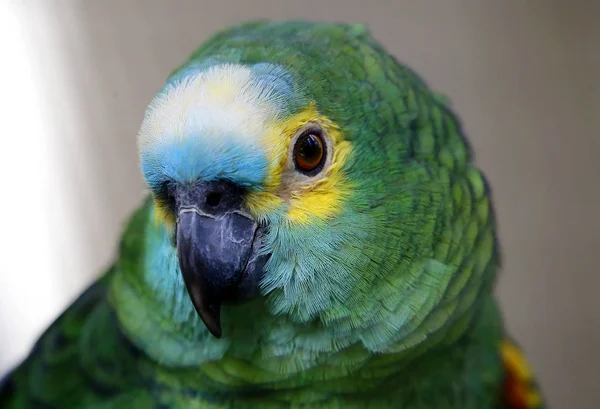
x=217 y=246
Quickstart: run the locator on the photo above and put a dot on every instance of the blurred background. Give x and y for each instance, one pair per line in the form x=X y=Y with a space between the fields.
x=523 y=76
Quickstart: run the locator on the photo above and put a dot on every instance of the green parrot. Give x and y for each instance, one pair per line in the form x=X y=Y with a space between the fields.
x=315 y=236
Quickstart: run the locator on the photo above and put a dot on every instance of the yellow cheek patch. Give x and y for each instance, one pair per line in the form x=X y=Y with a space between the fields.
x=162 y=215
x=305 y=200
x=324 y=198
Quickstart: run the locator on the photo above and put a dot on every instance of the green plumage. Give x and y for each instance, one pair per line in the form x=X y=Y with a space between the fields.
x=387 y=304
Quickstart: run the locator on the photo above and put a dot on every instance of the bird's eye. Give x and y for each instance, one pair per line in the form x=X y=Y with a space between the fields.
x=309 y=152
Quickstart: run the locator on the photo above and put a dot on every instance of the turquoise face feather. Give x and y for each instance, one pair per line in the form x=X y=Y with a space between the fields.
x=316 y=236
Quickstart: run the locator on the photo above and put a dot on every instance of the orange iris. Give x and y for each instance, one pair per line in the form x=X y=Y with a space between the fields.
x=309 y=152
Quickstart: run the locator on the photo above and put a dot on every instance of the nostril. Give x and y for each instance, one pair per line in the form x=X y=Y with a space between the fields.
x=213 y=199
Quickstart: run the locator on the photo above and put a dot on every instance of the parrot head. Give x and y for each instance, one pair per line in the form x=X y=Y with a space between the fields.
x=301 y=164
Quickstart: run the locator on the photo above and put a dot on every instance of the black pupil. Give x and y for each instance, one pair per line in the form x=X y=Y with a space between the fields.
x=310 y=148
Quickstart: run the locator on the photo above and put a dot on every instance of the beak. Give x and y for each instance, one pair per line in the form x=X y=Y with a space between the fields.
x=217 y=246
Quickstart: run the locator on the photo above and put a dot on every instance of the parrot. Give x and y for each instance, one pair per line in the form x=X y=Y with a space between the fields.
x=313 y=233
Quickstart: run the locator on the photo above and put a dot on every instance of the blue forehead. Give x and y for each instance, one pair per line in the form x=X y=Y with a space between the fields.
x=190 y=159
x=193 y=157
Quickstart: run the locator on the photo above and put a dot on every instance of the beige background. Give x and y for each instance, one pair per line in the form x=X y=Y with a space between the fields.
x=524 y=77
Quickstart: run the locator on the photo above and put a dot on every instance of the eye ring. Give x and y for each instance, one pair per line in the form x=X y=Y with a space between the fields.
x=310 y=152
